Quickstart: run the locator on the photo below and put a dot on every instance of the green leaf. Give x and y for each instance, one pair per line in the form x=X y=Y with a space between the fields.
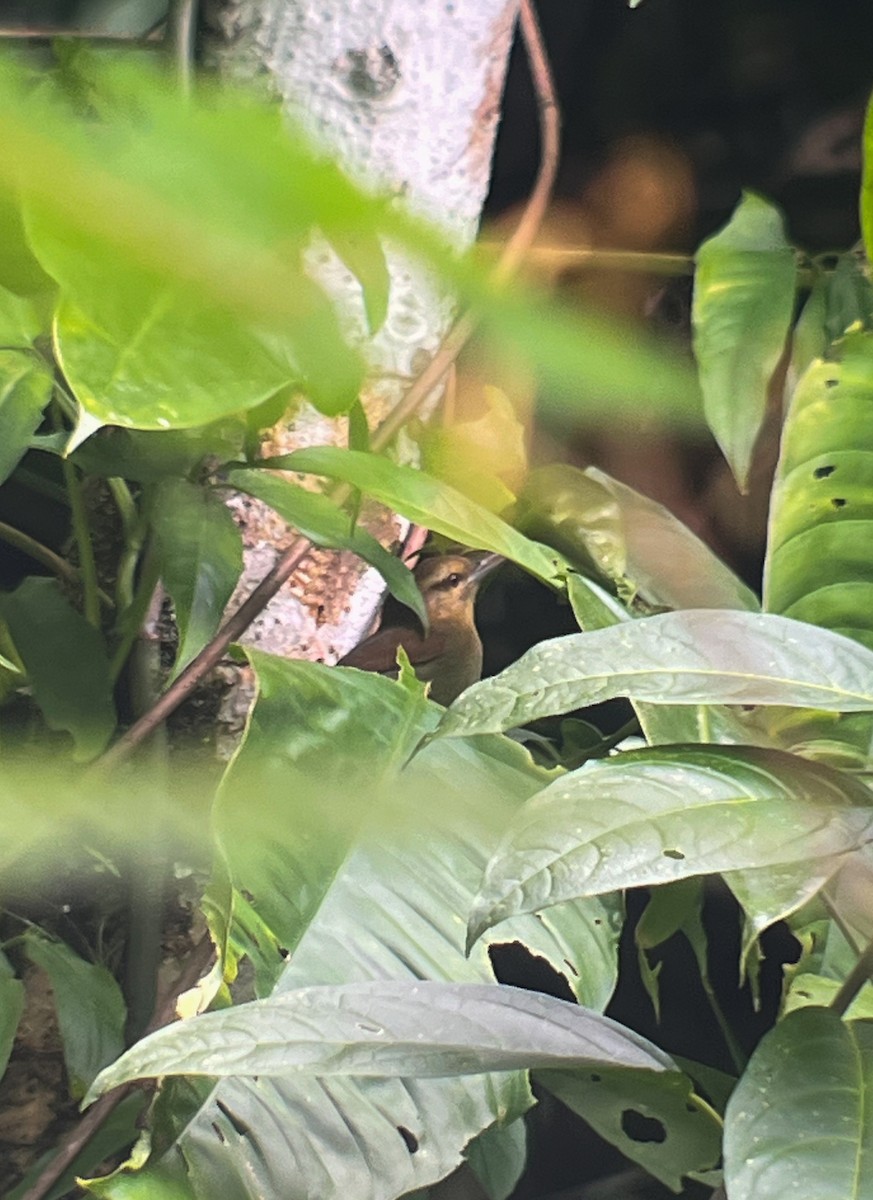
x=654 y=1119
x=362 y=253
x=21 y=319
x=819 y=565
x=807 y=990
x=11 y=1008
x=696 y=657
x=362 y=873
x=385 y=1029
x=633 y=541
x=652 y=816
x=199 y=548
x=426 y=501
x=867 y=183
x=25 y=390
x=798 y=1123
x=89 y=1006
x=319 y=519
x=19 y=270
x=497 y=1158
x=666 y=563
x=743 y=304
x=66 y=663
x=147 y=456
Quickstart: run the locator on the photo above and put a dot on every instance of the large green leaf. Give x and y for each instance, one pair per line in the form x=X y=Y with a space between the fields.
x=217 y=197
x=89 y=1005
x=199 y=548
x=25 y=389
x=66 y=663
x=743 y=304
x=21 y=319
x=654 y=1119
x=427 y=501
x=799 y=1123
x=385 y=1029
x=360 y=873
x=319 y=519
x=656 y=815
x=819 y=565
x=702 y=656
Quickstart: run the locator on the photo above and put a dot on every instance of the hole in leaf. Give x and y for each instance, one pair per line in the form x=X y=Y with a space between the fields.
x=217 y=1131
x=823 y=472
x=283 y=953
x=691 y=1108
x=595 y=1078
x=831 y=382
x=570 y=966
x=640 y=1128
x=677 y=854
x=838 y=502
x=239 y=1127
x=409 y=1138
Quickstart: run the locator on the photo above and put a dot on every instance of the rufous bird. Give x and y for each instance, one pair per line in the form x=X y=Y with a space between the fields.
x=449 y=656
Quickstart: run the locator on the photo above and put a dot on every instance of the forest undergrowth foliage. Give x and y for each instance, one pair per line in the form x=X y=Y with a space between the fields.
x=364 y=850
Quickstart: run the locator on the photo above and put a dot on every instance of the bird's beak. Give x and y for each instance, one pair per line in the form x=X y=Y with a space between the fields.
x=485 y=562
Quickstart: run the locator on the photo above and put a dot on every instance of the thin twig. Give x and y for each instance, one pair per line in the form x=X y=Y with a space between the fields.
x=289 y=561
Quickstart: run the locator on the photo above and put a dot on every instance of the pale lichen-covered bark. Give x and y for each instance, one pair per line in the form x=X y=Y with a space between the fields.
x=406 y=94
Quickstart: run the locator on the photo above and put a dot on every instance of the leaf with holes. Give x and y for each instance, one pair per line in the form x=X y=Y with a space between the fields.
x=819 y=565
x=655 y=1120
x=667 y=813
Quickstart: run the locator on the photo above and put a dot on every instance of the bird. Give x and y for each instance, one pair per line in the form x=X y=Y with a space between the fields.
x=449 y=655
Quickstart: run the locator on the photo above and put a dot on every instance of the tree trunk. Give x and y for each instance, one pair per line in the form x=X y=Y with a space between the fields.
x=406 y=94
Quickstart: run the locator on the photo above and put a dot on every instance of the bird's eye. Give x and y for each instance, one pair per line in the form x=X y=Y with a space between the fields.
x=453 y=580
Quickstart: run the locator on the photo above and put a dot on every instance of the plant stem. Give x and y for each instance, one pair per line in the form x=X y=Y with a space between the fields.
x=855 y=980
x=82 y=534
x=837 y=919
x=134 y=614
x=42 y=554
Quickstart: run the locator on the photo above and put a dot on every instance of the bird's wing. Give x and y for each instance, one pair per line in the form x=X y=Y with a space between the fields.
x=379 y=652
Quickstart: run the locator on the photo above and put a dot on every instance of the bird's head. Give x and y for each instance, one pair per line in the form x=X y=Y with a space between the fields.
x=449 y=583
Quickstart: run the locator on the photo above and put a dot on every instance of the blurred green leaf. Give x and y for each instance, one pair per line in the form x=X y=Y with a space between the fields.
x=199 y=549
x=653 y=1118
x=798 y=1123
x=743 y=303
x=21 y=320
x=819 y=565
x=89 y=1006
x=25 y=390
x=11 y=1008
x=66 y=663
x=425 y=501
x=318 y=518
x=656 y=815
x=699 y=656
